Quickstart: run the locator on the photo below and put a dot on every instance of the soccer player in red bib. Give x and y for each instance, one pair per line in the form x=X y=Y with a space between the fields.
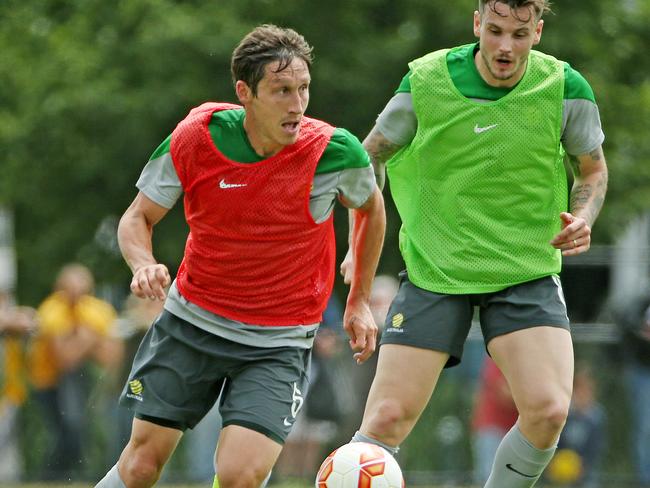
x=259 y=183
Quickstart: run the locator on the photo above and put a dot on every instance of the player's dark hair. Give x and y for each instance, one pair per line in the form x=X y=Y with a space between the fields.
x=539 y=7
x=266 y=44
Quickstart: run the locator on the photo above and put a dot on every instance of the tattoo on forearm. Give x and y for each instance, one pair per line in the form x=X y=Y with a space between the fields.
x=580 y=196
x=590 y=187
x=588 y=199
x=380 y=150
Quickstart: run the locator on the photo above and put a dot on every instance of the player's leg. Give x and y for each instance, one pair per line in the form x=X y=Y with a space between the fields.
x=538 y=364
x=171 y=386
x=259 y=404
x=405 y=379
x=245 y=457
x=144 y=457
x=527 y=335
x=424 y=332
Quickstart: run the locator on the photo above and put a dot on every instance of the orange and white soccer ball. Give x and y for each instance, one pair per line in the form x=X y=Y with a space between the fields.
x=359 y=465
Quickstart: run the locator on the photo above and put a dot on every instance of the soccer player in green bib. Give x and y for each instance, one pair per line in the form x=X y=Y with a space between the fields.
x=473 y=142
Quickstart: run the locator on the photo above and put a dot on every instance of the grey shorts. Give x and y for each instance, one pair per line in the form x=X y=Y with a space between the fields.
x=180 y=371
x=441 y=322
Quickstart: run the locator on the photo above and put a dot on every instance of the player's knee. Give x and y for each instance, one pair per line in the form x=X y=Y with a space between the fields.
x=387 y=415
x=548 y=415
x=240 y=476
x=140 y=469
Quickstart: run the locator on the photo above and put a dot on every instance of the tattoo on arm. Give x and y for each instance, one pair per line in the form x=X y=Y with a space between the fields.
x=590 y=187
x=580 y=196
x=596 y=154
x=380 y=150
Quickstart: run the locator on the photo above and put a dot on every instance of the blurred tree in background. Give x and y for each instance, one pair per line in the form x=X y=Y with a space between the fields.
x=90 y=88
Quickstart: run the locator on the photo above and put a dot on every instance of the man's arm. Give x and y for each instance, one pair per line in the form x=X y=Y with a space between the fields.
x=587 y=198
x=134 y=235
x=366 y=240
x=380 y=151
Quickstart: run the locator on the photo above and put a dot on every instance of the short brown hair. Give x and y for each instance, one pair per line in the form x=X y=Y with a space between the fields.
x=265 y=44
x=540 y=7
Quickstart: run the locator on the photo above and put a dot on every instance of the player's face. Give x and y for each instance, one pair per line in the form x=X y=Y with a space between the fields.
x=506 y=38
x=273 y=115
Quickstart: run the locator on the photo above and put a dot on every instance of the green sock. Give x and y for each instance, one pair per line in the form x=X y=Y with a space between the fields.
x=216 y=482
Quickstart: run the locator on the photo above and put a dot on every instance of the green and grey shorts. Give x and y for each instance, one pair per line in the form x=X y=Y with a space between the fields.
x=441 y=322
x=180 y=371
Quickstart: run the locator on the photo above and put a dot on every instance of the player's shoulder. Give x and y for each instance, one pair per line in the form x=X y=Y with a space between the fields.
x=454 y=56
x=233 y=114
x=576 y=86
x=460 y=54
x=162 y=149
x=344 y=151
x=435 y=55
x=230 y=116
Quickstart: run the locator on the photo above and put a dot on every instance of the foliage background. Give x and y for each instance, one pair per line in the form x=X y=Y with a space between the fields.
x=89 y=88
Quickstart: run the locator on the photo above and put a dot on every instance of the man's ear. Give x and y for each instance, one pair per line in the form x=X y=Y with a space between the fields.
x=477 y=23
x=243 y=92
x=538 y=32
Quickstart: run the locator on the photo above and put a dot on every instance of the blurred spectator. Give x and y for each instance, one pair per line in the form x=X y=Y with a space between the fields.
x=634 y=320
x=76 y=332
x=583 y=440
x=494 y=415
x=15 y=323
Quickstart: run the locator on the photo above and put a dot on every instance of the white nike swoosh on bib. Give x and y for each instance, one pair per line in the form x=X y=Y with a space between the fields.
x=224 y=185
x=478 y=130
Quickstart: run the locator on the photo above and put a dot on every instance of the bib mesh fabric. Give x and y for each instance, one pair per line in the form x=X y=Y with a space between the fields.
x=481 y=186
x=254 y=253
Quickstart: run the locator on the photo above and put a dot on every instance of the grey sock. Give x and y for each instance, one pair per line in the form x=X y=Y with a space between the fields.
x=517 y=463
x=359 y=437
x=111 y=480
